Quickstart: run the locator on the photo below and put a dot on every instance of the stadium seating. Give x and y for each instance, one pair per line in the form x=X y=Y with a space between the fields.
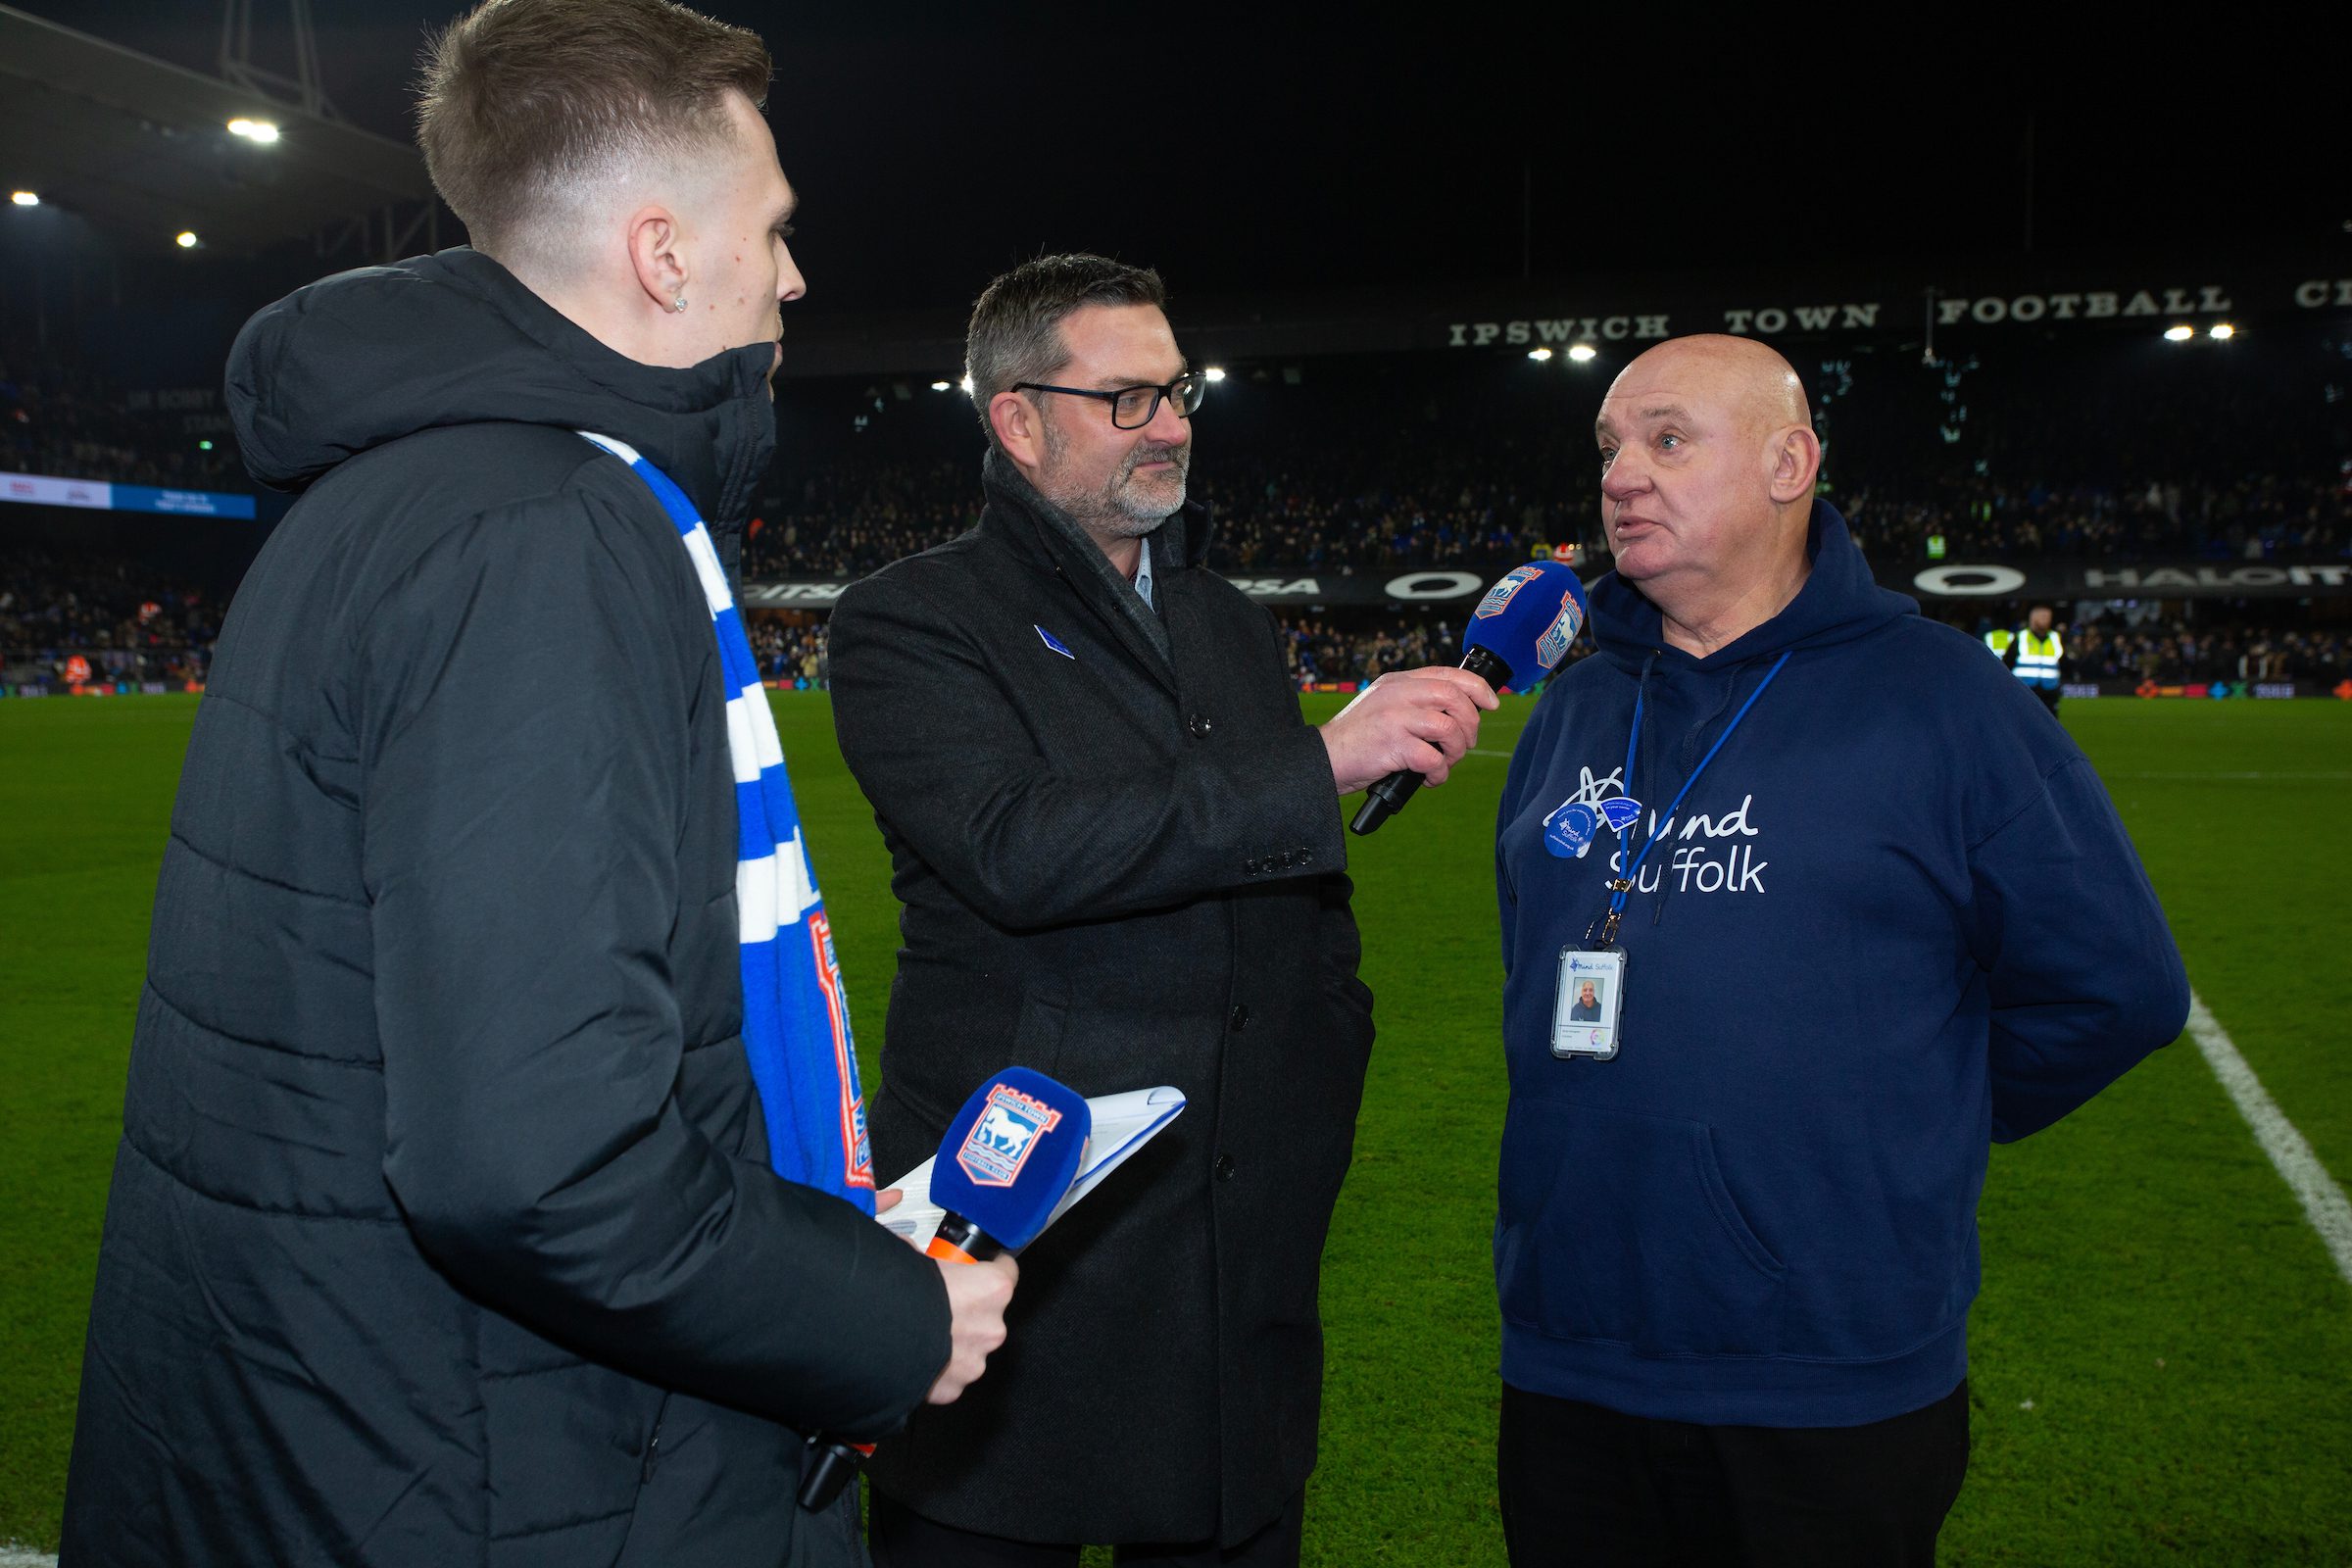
x=1396 y=517
x=1344 y=480
x=124 y=621
x=59 y=419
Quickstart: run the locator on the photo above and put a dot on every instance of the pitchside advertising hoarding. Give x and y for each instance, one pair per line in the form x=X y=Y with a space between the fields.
x=2109 y=578
x=1944 y=582
x=2002 y=583
x=104 y=688
x=1439 y=589
x=2208 y=690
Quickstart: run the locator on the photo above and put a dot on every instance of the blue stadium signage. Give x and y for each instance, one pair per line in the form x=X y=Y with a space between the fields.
x=98 y=495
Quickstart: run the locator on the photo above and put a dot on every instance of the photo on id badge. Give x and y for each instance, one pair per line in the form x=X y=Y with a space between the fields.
x=1583 y=1016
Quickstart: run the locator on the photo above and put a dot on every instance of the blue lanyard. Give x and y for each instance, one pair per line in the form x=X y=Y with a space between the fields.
x=1623 y=883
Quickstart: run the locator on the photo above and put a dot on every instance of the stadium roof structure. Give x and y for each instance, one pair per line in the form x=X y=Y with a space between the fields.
x=140 y=148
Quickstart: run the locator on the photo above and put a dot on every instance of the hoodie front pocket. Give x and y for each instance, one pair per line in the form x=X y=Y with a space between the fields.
x=1618 y=1226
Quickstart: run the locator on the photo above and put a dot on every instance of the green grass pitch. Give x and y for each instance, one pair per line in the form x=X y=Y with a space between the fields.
x=2161 y=1357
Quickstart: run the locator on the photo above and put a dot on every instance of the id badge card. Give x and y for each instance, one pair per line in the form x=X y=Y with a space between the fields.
x=1585 y=1011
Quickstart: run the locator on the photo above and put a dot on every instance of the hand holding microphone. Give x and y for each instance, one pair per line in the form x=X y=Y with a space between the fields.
x=977 y=1295
x=1007 y=1158
x=1519 y=633
x=1418 y=720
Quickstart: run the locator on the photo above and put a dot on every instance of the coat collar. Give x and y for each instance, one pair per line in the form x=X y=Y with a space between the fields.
x=1050 y=539
x=1044 y=531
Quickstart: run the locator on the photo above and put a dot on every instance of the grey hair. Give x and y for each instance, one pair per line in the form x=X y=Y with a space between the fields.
x=1016 y=333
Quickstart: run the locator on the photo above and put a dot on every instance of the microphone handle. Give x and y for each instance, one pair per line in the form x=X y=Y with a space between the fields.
x=834 y=1461
x=1386 y=797
x=1384 y=800
x=959 y=1241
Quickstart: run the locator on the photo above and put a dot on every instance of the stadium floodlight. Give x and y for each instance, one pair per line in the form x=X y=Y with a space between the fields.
x=1584 y=352
x=967 y=384
x=1539 y=355
x=2221 y=329
x=261 y=131
x=941 y=387
x=185 y=239
x=1215 y=373
x=23 y=198
x=2179 y=334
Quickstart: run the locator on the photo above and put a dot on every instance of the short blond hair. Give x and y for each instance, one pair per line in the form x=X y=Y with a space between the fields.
x=521 y=100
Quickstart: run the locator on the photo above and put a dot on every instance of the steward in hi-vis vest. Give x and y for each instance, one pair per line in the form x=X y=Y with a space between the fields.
x=2000 y=639
x=2039 y=651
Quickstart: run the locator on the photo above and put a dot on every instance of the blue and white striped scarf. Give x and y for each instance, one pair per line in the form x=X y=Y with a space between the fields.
x=795 y=1014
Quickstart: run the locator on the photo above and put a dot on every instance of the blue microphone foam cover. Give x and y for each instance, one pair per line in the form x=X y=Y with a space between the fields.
x=1010 y=1153
x=1528 y=618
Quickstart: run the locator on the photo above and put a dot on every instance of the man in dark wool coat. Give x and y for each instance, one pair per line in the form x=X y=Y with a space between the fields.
x=1118 y=849
x=444 y=1228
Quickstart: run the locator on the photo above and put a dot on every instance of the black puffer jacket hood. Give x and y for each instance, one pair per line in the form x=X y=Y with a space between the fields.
x=365 y=357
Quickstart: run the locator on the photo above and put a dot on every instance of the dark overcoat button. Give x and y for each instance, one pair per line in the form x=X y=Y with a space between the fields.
x=1199 y=726
x=1241 y=1016
x=1224 y=1167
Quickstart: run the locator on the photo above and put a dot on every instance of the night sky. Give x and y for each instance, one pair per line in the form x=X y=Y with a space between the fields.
x=935 y=145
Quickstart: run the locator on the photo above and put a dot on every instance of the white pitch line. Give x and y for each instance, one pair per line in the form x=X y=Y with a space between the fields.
x=16 y=1558
x=2323 y=1201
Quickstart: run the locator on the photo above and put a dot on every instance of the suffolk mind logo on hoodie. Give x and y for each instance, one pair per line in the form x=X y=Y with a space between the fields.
x=1700 y=859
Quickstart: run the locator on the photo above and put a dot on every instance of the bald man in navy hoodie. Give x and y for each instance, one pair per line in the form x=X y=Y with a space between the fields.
x=1893 y=920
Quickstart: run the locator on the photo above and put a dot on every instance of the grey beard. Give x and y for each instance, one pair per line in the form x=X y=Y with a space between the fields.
x=1117 y=510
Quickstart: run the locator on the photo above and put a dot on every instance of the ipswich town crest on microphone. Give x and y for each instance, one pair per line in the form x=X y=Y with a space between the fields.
x=1000 y=1141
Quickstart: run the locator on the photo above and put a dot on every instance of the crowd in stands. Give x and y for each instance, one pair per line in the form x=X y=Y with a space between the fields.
x=59 y=417
x=2172 y=652
x=2106 y=642
x=1296 y=515
x=2253 y=519
x=1435 y=509
x=789 y=652
x=1320 y=650
x=1365 y=472
x=1341 y=495
x=1317 y=650
x=848 y=519
x=122 y=619
x=1288 y=516
x=2134 y=640
x=128 y=624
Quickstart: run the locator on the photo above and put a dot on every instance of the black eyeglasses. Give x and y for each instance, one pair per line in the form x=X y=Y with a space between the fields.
x=1134 y=406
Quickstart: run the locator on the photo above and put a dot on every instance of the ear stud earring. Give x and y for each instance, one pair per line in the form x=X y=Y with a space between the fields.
x=678 y=304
